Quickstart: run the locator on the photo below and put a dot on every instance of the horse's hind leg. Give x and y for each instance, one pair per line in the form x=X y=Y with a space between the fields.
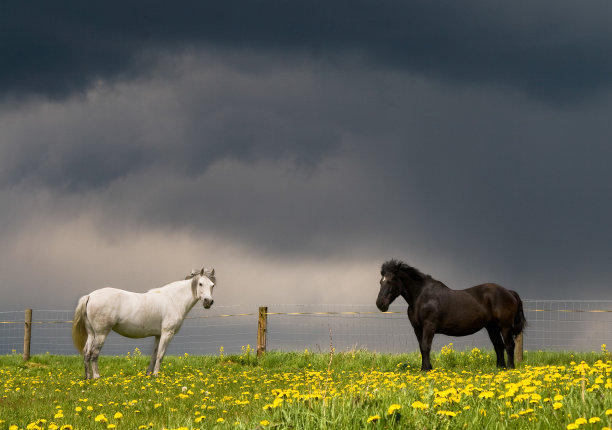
x=97 y=344
x=87 y=350
x=498 y=343
x=509 y=341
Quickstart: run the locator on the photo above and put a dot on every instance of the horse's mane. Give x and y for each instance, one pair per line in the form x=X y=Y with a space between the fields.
x=398 y=267
x=193 y=274
x=208 y=273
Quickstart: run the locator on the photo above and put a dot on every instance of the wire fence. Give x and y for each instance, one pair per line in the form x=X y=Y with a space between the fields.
x=552 y=325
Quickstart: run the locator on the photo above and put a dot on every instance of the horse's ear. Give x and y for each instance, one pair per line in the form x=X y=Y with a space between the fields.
x=212 y=272
x=202 y=271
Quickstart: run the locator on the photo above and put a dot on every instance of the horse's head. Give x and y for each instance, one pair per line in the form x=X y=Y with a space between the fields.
x=390 y=285
x=204 y=283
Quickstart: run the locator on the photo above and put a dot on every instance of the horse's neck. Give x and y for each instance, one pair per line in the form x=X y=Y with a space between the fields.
x=182 y=295
x=411 y=290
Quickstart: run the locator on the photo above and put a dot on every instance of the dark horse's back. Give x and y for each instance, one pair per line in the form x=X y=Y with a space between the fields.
x=501 y=304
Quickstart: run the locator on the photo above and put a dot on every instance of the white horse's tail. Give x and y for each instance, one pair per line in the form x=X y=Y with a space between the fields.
x=79 y=332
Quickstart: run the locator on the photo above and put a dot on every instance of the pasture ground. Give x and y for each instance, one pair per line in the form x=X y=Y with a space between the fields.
x=355 y=389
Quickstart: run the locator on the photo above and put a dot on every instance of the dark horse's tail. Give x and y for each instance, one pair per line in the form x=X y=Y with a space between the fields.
x=519 y=318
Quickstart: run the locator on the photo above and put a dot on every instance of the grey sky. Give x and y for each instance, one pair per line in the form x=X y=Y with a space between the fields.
x=296 y=149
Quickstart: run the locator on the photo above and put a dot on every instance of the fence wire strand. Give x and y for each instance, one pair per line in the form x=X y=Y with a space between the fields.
x=552 y=325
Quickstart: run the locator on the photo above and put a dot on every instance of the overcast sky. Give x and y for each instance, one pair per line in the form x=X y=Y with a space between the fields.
x=295 y=147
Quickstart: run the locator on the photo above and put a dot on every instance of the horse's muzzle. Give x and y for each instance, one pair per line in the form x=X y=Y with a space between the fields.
x=208 y=303
x=382 y=305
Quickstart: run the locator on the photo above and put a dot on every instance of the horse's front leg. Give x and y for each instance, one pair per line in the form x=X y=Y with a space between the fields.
x=425 y=335
x=164 y=340
x=426 y=339
x=153 y=356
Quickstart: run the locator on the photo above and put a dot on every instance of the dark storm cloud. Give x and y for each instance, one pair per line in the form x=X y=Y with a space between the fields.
x=551 y=50
x=206 y=109
x=403 y=167
x=470 y=139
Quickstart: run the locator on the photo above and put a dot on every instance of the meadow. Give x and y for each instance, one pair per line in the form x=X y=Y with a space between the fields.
x=289 y=390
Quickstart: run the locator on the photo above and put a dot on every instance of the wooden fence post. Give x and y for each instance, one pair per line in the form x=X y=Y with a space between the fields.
x=262 y=327
x=27 y=335
x=518 y=348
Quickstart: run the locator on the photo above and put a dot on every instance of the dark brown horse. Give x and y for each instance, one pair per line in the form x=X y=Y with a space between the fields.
x=435 y=308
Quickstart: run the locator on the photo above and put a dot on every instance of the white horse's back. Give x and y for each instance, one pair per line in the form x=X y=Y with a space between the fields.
x=130 y=314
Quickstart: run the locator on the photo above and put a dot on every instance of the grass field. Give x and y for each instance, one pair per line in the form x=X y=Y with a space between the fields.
x=310 y=391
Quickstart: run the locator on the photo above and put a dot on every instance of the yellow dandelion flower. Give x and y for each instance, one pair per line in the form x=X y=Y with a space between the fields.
x=220 y=420
x=557 y=405
x=111 y=426
x=393 y=408
x=118 y=416
x=486 y=395
x=572 y=426
x=66 y=427
x=594 y=420
x=420 y=405
x=609 y=412
x=264 y=422
x=101 y=419
x=581 y=421
x=373 y=418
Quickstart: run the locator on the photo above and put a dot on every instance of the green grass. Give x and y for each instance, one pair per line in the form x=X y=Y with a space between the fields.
x=357 y=389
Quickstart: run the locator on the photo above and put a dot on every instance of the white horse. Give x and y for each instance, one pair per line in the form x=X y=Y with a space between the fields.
x=158 y=312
